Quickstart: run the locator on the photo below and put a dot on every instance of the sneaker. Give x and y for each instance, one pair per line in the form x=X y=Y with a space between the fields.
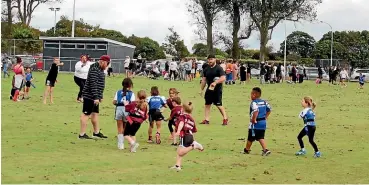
x=266 y=152
x=225 y=122
x=198 y=146
x=134 y=147
x=99 y=135
x=205 y=122
x=121 y=146
x=175 y=167
x=174 y=144
x=157 y=138
x=301 y=152
x=245 y=151
x=317 y=154
x=150 y=141
x=85 y=136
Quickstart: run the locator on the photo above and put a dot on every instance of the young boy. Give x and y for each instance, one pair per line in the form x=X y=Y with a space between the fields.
x=176 y=111
x=259 y=113
x=29 y=79
x=361 y=81
x=51 y=79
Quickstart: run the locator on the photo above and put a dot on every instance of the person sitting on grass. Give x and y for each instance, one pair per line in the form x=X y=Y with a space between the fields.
x=51 y=80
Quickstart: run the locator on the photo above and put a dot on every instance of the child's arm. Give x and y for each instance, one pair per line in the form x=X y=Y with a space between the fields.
x=254 y=116
x=180 y=127
x=115 y=102
x=60 y=64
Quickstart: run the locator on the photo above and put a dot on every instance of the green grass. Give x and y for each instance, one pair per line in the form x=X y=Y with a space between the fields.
x=40 y=145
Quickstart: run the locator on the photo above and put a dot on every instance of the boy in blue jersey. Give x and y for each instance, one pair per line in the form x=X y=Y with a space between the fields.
x=310 y=126
x=29 y=79
x=259 y=113
x=122 y=98
x=156 y=102
x=361 y=81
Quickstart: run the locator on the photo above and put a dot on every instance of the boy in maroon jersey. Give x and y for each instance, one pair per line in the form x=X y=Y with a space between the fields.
x=174 y=115
x=185 y=127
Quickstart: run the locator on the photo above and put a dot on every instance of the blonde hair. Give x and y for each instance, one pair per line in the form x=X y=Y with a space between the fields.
x=309 y=100
x=141 y=103
x=174 y=90
x=187 y=107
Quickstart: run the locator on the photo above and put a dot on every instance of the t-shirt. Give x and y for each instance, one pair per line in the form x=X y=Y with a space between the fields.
x=129 y=97
x=263 y=108
x=212 y=74
x=28 y=77
x=176 y=112
x=53 y=73
x=156 y=102
x=187 y=66
x=173 y=66
x=308 y=116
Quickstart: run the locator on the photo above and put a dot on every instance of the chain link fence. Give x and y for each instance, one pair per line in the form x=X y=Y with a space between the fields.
x=21 y=46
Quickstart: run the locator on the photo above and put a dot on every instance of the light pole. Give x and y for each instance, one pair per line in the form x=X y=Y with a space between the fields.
x=74 y=14
x=285 y=49
x=54 y=10
x=331 y=40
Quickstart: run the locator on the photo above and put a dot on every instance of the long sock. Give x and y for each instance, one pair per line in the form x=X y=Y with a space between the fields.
x=120 y=138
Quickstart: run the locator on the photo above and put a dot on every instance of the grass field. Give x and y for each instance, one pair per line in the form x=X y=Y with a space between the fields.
x=40 y=145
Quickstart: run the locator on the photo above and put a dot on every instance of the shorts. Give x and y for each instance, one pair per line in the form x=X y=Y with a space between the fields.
x=213 y=97
x=155 y=115
x=50 y=83
x=126 y=68
x=361 y=84
x=186 y=140
x=120 y=113
x=131 y=129
x=188 y=72
x=193 y=71
x=28 y=84
x=259 y=134
x=342 y=79
x=89 y=107
x=110 y=70
x=290 y=74
x=130 y=67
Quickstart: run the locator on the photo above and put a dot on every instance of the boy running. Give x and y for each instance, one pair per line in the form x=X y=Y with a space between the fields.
x=156 y=102
x=259 y=113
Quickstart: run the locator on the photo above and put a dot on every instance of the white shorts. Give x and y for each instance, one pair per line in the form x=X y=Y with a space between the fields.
x=120 y=113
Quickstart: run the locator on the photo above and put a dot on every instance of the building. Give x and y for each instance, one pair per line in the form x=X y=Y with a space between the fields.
x=69 y=50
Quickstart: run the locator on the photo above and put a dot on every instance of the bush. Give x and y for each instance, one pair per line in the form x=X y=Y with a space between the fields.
x=307 y=62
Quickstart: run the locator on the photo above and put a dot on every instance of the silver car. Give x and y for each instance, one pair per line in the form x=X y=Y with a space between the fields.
x=356 y=73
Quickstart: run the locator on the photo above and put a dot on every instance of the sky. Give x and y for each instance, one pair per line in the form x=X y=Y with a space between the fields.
x=152 y=18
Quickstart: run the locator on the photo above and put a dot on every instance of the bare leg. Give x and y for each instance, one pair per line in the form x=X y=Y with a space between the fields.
x=223 y=112
x=95 y=122
x=207 y=112
x=149 y=132
x=83 y=120
x=181 y=152
x=51 y=95
x=46 y=93
x=120 y=126
x=248 y=145
x=158 y=126
x=263 y=144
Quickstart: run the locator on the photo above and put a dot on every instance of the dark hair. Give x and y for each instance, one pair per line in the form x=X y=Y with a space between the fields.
x=126 y=83
x=154 y=91
x=19 y=60
x=177 y=100
x=257 y=89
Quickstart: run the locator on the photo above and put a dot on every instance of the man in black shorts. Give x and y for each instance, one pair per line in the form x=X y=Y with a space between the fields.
x=213 y=76
x=92 y=96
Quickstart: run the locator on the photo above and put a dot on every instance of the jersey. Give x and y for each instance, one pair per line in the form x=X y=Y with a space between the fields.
x=189 y=126
x=308 y=116
x=361 y=79
x=136 y=115
x=170 y=103
x=175 y=113
x=156 y=102
x=262 y=107
x=28 y=77
x=130 y=97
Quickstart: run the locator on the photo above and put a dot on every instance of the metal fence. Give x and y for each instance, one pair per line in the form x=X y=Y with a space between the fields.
x=21 y=46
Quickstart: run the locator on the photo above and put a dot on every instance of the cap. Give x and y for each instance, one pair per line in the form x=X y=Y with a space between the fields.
x=105 y=58
x=211 y=56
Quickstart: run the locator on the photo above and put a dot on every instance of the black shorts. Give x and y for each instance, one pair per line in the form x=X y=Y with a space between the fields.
x=290 y=74
x=213 y=97
x=155 y=115
x=28 y=84
x=110 y=70
x=50 y=83
x=186 y=140
x=259 y=134
x=131 y=129
x=126 y=68
x=361 y=84
x=89 y=107
x=188 y=72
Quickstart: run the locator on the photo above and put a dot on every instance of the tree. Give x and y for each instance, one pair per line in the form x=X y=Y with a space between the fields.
x=146 y=47
x=175 y=46
x=200 y=49
x=64 y=28
x=27 y=39
x=7 y=15
x=267 y=14
x=299 y=43
x=25 y=9
x=109 y=34
x=323 y=50
x=205 y=13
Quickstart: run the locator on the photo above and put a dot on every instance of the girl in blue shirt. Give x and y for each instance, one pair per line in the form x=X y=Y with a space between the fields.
x=310 y=126
x=156 y=103
x=361 y=81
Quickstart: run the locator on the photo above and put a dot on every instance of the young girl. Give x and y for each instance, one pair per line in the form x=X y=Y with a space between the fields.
x=155 y=102
x=122 y=97
x=174 y=115
x=51 y=79
x=137 y=115
x=29 y=79
x=310 y=126
x=229 y=73
x=186 y=127
x=361 y=81
x=172 y=93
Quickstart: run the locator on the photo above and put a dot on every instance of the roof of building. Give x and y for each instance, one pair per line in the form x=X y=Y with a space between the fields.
x=87 y=39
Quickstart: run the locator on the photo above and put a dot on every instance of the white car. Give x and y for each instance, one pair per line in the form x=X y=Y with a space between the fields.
x=356 y=73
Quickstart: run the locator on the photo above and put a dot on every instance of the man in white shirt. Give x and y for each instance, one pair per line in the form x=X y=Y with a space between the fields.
x=173 y=70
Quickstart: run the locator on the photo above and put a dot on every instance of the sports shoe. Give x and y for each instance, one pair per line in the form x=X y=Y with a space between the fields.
x=266 y=152
x=301 y=152
x=175 y=167
x=157 y=138
x=85 y=136
x=317 y=154
x=245 y=151
x=205 y=122
x=198 y=146
x=134 y=147
x=150 y=140
x=99 y=135
x=174 y=144
x=225 y=122
x=120 y=146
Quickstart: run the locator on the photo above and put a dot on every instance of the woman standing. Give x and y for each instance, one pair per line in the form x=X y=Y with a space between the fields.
x=248 y=71
x=18 y=79
x=80 y=75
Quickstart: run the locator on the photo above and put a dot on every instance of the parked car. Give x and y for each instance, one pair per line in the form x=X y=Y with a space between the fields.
x=356 y=73
x=312 y=73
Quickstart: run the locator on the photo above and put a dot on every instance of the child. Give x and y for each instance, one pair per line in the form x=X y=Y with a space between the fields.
x=29 y=79
x=137 y=115
x=259 y=113
x=310 y=126
x=174 y=115
x=122 y=97
x=361 y=81
x=155 y=102
x=172 y=93
x=51 y=79
x=186 y=127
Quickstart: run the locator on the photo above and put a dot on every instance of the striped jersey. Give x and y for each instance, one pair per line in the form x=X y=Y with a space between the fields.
x=95 y=83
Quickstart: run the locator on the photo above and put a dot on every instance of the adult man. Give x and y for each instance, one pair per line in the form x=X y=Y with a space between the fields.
x=126 y=66
x=214 y=76
x=173 y=70
x=92 y=96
